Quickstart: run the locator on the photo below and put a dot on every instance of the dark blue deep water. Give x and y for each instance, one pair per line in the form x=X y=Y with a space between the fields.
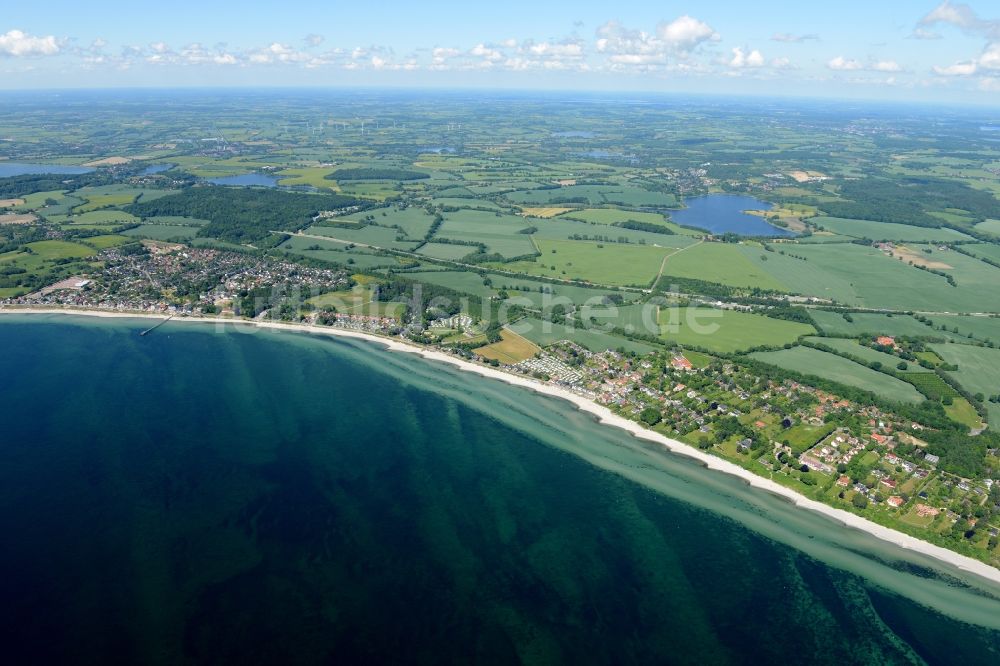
x=723 y=213
x=206 y=496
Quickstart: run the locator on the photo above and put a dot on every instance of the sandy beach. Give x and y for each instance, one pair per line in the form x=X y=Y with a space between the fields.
x=603 y=415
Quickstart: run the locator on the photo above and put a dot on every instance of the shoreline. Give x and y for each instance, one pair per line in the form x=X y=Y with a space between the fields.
x=603 y=416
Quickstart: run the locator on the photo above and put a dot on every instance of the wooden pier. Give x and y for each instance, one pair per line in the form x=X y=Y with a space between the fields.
x=159 y=324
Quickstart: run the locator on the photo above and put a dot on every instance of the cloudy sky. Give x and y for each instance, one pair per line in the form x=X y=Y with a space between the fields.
x=905 y=50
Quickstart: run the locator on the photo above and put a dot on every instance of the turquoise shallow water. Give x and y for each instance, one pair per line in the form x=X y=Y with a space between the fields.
x=201 y=496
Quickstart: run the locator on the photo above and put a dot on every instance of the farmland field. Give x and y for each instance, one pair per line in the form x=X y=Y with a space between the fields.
x=500 y=233
x=978 y=371
x=931 y=385
x=106 y=241
x=109 y=216
x=733 y=331
x=887 y=231
x=511 y=349
x=870 y=323
x=162 y=231
x=864 y=276
x=592 y=195
x=856 y=350
x=543 y=212
x=612 y=216
x=720 y=262
x=607 y=263
x=310 y=176
x=834 y=368
x=545 y=333
x=445 y=251
x=990 y=226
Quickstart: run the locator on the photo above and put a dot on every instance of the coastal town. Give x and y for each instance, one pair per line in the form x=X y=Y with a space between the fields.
x=857 y=457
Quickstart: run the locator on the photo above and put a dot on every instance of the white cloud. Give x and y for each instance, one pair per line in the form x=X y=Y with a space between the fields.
x=842 y=64
x=625 y=47
x=441 y=54
x=782 y=63
x=793 y=39
x=277 y=52
x=487 y=53
x=569 y=50
x=961 y=16
x=686 y=33
x=742 y=59
x=990 y=59
x=958 y=69
x=313 y=39
x=20 y=44
x=924 y=33
x=886 y=66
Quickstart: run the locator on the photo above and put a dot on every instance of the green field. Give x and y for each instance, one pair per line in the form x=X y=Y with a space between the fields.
x=962 y=326
x=723 y=263
x=544 y=333
x=961 y=411
x=54 y=250
x=803 y=436
x=611 y=216
x=989 y=226
x=858 y=351
x=335 y=252
x=727 y=330
x=446 y=251
x=311 y=176
x=371 y=235
x=607 y=263
x=870 y=323
x=593 y=195
x=45 y=261
x=110 y=216
x=863 y=276
x=106 y=241
x=886 y=231
x=978 y=371
x=834 y=368
x=931 y=385
x=162 y=231
x=499 y=232
x=563 y=228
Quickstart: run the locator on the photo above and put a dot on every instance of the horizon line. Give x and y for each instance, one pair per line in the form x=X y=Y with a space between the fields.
x=546 y=92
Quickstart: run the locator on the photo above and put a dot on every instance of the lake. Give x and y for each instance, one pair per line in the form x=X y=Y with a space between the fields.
x=242 y=496
x=722 y=213
x=246 y=179
x=156 y=168
x=8 y=169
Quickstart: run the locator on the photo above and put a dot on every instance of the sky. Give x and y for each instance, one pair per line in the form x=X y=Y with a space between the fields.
x=873 y=49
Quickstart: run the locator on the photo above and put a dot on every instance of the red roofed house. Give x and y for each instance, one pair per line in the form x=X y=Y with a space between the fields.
x=885 y=341
x=895 y=501
x=681 y=363
x=844 y=481
x=888 y=482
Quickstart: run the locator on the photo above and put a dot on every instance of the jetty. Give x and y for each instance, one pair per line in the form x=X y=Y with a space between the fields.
x=153 y=328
